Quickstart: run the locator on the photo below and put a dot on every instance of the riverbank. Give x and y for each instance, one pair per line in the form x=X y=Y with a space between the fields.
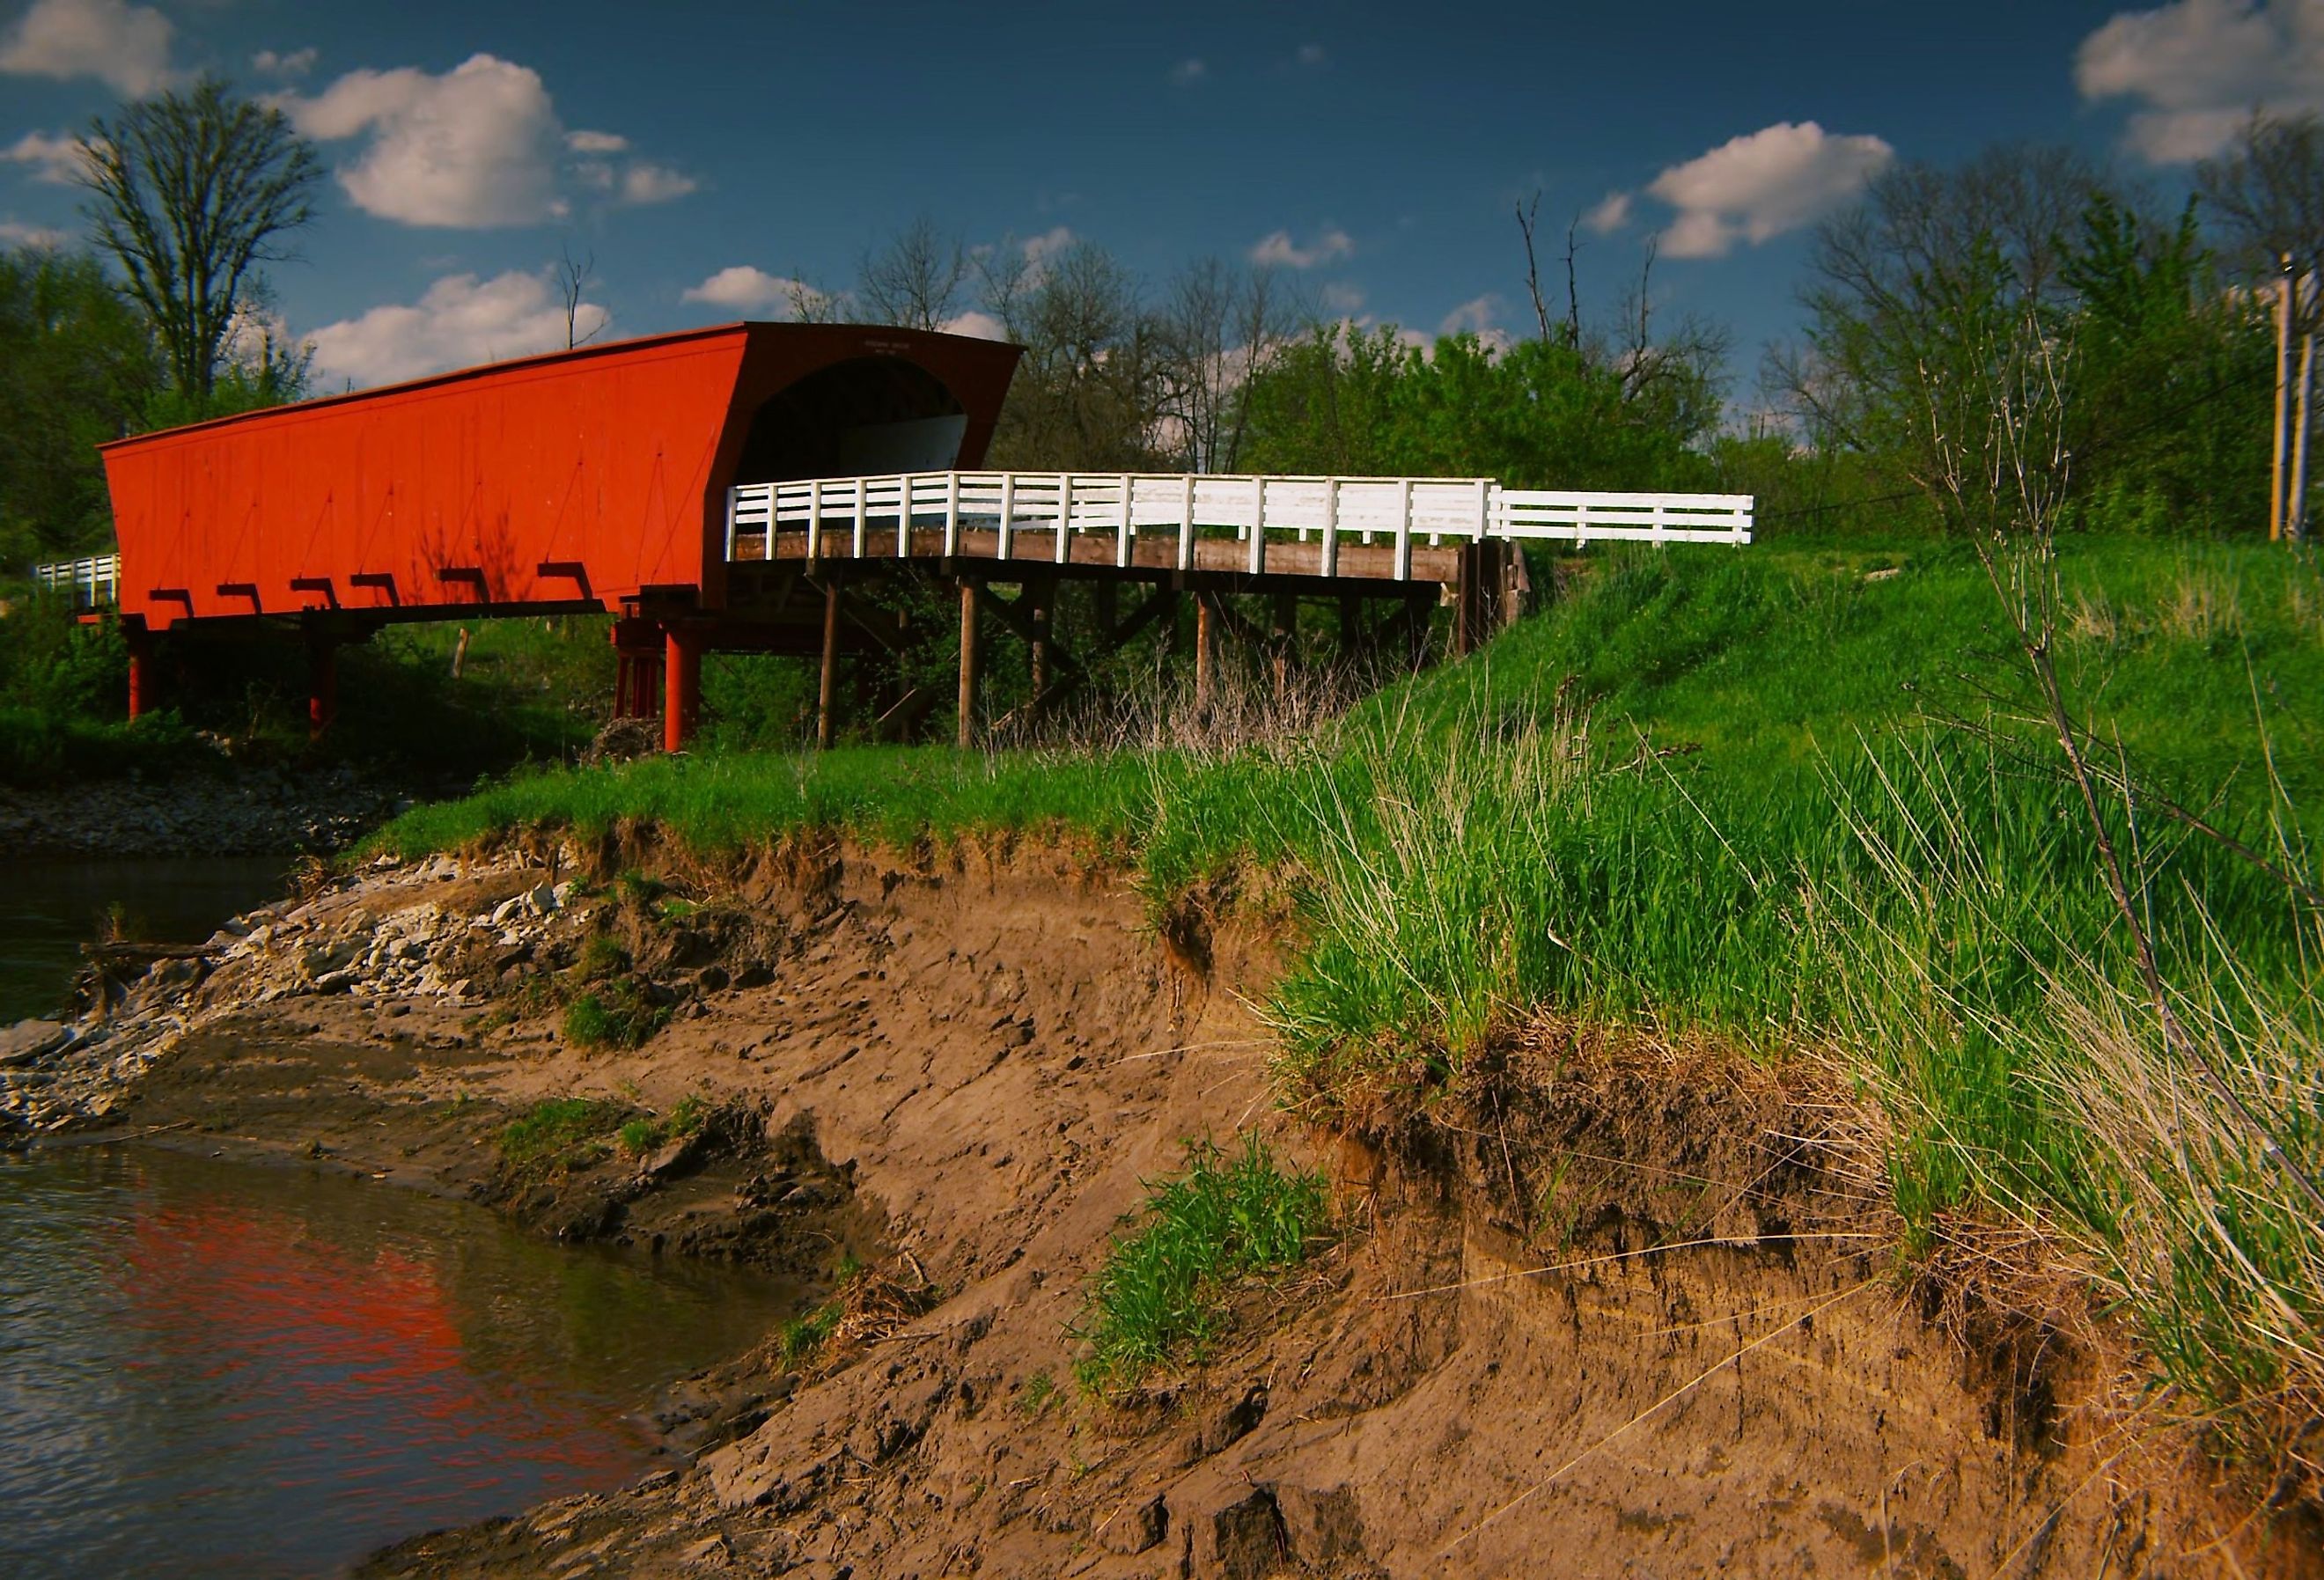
x=202 y=810
x=1637 y=1303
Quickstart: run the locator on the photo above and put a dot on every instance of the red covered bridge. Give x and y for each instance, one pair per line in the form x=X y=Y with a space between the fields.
x=735 y=488
x=581 y=481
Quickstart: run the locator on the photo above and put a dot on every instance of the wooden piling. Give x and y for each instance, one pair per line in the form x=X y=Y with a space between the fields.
x=1206 y=638
x=827 y=687
x=968 y=663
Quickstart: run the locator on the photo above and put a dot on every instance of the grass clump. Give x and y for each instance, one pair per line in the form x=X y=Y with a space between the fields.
x=558 y=1130
x=615 y=1013
x=799 y=1339
x=644 y=1133
x=1162 y=1296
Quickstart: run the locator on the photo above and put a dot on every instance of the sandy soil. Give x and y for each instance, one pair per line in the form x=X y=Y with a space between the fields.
x=964 y=1071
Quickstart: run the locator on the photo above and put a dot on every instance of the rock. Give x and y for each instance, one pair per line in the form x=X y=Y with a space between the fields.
x=27 y=1040
x=712 y=1552
x=1131 y=1531
x=1320 y=1527
x=670 y=1158
x=754 y=974
x=1241 y=1542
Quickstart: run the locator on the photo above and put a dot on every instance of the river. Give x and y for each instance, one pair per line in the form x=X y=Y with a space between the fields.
x=51 y=905
x=218 y=1368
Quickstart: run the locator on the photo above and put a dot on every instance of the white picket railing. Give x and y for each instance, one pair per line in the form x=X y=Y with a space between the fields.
x=846 y=516
x=94 y=582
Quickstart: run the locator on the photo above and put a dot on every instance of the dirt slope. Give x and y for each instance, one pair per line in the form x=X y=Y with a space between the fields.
x=974 y=1066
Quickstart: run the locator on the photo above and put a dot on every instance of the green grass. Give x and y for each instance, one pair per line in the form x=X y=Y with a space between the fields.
x=558 y=1130
x=1162 y=1296
x=1787 y=797
x=644 y=1133
x=615 y=1013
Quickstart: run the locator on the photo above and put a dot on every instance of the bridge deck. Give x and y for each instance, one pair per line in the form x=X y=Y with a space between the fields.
x=1375 y=528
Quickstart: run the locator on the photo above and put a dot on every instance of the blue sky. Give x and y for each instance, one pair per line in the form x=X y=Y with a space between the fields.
x=705 y=154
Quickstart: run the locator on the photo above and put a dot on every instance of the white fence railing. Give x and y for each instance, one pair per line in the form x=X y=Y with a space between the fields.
x=848 y=516
x=94 y=582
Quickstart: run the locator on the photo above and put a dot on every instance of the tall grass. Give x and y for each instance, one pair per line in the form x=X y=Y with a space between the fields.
x=1786 y=801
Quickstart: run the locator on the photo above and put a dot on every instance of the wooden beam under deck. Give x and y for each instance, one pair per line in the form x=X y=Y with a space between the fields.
x=1096 y=557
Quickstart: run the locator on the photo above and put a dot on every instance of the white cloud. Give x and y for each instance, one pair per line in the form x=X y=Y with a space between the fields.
x=1277 y=248
x=1480 y=317
x=124 y=46
x=2199 y=68
x=54 y=160
x=476 y=147
x=983 y=326
x=461 y=322
x=1759 y=186
x=283 y=63
x=1611 y=214
x=646 y=183
x=1344 y=297
x=1039 y=248
x=1189 y=72
x=16 y=234
x=747 y=289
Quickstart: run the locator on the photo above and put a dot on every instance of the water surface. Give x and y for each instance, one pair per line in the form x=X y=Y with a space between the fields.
x=217 y=1369
x=51 y=905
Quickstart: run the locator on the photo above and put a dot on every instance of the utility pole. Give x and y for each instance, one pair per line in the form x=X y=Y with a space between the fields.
x=2295 y=527
x=2275 y=500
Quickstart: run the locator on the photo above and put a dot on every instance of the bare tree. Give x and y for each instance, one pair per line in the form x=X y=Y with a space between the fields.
x=1089 y=395
x=1529 y=215
x=1220 y=327
x=572 y=279
x=191 y=191
x=917 y=279
x=809 y=303
x=2266 y=195
x=1887 y=278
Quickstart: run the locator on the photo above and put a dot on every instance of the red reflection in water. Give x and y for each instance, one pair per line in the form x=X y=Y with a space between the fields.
x=327 y=1333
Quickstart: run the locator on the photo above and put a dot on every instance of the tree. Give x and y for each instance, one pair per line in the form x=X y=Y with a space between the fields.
x=191 y=192
x=1219 y=329
x=917 y=279
x=1087 y=395
x=2266 y=195
x=1904 y=287
x=572 y=280
x=77 y=368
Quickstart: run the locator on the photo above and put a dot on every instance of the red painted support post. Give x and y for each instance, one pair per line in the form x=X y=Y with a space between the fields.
x=322 y=684
x=681 y=685
x=141 y=666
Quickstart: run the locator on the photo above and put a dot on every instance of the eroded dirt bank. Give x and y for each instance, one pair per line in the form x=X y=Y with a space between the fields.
x=962 y=1071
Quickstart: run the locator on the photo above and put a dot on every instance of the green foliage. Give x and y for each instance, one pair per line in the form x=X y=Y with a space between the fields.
x=645 y=1132
x=1162 y=1294
x=615 y=1013
x=798 y=1339
x=76 y=369
x=1361 y=402
x=192 y=189
x=558 y=1130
